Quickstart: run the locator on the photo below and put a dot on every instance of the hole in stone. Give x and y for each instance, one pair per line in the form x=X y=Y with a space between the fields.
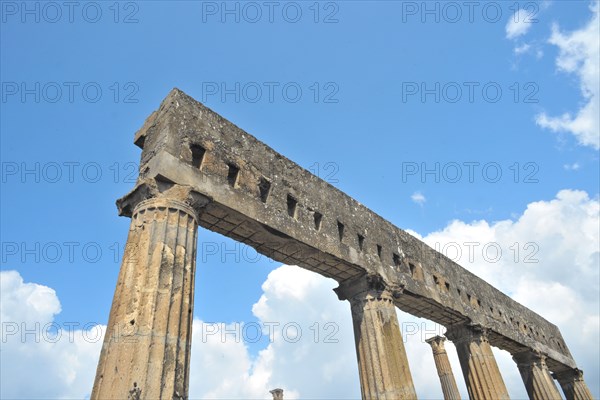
x=436 y=280
x=412 y=268
x=379 y=251
x=478 y=302
x=447 y=286
x=264 y=187
x=318 y=217
x=197 y=155
x=492 y=310
x=340 y=230
x=163 y=183
x=396 y=259
x=232 y=174
x=458 y=291
x=361 y=241
x=469 y=297
x=132 y=321
x=292 y=204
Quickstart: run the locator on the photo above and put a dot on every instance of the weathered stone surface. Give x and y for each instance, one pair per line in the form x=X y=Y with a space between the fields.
x=146 y=350
x=573 y=385
x=199 y=168
x=442 y=364
x=261 y=198
x=478 y=364
x=538 y=381
x=382 y=363
x=277 y=394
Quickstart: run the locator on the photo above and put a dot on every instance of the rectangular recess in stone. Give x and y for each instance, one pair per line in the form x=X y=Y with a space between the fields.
x=232 y=174
x=264 y=188
x=361 y=241
x=379 y=252
x=197 y=155
x=318 y=217
x=412 y=271
x=396 y=259
x=292 y=205
x=340 y=230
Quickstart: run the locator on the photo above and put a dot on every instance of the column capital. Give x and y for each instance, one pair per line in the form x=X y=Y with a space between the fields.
x=530 y=358
x=369 y=284
x=158 y=189
x=165 y=202
x=568 y=375
x=437 y=344
x=467 y=333
x=277 y=394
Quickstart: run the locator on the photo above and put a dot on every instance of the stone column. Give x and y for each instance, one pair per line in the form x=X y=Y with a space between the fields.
x=444 y=370
x=536 y=376
x=573 y=385
x=146 y=350
x=277 y=394
x=382 y=362
x=477 y=362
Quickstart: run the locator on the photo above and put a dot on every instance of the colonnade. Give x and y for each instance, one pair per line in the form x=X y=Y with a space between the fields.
x=146 y=350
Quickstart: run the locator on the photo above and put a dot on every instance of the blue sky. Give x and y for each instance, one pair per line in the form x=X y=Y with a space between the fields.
x=498 y=102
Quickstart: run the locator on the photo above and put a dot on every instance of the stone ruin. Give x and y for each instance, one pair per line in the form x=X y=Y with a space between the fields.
x=199 y=169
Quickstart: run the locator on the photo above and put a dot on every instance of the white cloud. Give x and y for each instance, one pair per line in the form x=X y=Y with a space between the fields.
x=522 y=49
x=560 y=239
x=579 y=54
x=419 y=198
x=572 y=167
x=519 y=24
x=37 y=360
x=320 y=364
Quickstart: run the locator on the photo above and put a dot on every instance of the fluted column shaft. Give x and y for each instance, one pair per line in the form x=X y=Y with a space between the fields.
x=477 y=361
x=444 y=370
x=146 y=350
x=382 y=362
x=536 y=376
x=573 y=385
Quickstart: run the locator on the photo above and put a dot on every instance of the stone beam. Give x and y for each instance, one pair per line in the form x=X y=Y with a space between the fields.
x=260 y=198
